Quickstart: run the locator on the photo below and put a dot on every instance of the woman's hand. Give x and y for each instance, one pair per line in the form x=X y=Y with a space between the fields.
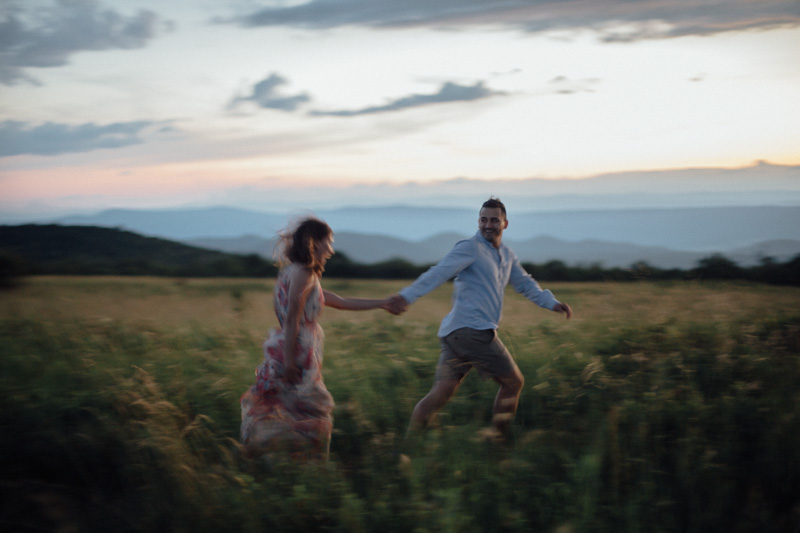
x=292 y=373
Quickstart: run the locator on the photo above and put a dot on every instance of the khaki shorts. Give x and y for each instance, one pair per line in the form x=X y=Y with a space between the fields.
x=466 y=348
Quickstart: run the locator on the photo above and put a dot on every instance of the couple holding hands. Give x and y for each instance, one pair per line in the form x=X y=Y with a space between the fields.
x=289 y=409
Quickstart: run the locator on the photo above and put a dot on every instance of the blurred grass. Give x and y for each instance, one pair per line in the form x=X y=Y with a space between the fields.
x=659 y=407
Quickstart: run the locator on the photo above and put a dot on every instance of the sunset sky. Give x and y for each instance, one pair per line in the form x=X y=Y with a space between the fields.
x=147 y=103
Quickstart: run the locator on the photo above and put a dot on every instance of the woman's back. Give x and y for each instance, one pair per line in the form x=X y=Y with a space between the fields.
x=314 y=302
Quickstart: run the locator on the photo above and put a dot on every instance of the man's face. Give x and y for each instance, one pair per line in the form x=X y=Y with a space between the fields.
x=491 y=224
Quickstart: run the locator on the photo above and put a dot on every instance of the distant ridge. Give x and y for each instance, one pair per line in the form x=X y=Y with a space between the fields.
x=361 y=248
x=703 y=230
x=377 y=248
x=180 y=223
x=55 y=249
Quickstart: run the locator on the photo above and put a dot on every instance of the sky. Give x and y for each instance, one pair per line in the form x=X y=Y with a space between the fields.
x=287 y=104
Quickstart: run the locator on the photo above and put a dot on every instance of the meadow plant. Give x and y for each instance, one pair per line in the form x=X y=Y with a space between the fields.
x=674 y=409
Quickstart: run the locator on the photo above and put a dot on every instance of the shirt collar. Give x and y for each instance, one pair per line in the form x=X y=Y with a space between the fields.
x=480 y=238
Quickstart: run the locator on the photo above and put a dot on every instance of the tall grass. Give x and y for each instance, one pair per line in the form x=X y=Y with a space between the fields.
x=658 y=408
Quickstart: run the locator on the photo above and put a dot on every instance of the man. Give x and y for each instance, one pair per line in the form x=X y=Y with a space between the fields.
x=482 y=267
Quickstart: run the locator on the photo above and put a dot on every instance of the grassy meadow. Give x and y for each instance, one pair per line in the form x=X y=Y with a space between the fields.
x=657 y=408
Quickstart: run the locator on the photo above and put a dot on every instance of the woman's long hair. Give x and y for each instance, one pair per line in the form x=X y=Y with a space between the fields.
x=298 y=244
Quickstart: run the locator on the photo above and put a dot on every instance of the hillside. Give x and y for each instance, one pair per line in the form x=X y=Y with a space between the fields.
x=54 y=249
x=89 y=250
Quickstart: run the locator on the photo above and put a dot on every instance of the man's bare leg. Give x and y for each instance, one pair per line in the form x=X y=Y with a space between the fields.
x=439 y=395
x=506 y=401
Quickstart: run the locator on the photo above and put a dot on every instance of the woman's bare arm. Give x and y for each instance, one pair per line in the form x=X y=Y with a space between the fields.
x=357 y=304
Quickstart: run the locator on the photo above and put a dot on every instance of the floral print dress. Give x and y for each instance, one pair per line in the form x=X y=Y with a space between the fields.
x=282 y=417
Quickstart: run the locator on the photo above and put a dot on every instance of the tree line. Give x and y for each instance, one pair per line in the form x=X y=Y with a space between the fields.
x=713 y=267
x=80 y=250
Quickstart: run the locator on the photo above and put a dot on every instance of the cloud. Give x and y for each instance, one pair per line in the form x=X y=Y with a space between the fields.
x=47 y=34
x=449 y=92
x=265 y=95
x=17 y=138
x=642 y=19
x=564 y=85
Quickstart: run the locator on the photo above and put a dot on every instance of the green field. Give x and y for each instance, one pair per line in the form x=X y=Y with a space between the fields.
x=659 y=407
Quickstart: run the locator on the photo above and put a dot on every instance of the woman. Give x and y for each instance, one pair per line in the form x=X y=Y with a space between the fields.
x=288 y=408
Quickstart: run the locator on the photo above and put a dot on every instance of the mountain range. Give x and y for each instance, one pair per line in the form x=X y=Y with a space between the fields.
x=375 y=248
x=667 y=238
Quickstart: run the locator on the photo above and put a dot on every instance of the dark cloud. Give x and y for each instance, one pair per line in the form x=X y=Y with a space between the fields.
x=449 y=92
x=643 y=19
x=17 y=138
x=265 y=94
x=36 y=34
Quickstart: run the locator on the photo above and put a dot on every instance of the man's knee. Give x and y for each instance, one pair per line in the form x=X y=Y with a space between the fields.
x=513 y=382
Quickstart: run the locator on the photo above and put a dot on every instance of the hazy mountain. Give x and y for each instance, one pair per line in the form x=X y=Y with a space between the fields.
x=669 y=218
x=181 y=223
x=759 y=184
x=375 y=248
x=718 y=229
x=360 y=248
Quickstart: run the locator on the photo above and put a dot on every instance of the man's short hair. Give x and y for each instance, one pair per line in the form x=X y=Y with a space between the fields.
x=494 y=203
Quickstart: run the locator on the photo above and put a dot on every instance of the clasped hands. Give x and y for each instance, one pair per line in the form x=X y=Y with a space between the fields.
x=395 y=304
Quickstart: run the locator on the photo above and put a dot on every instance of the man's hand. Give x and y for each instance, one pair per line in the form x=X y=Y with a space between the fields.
x=397 y=305
x=564 y=309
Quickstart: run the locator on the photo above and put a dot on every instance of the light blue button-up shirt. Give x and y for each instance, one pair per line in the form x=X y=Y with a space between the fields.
x=481 y=274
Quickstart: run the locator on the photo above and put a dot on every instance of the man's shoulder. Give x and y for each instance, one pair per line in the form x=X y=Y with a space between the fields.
x=461 y=249
x=468 y=243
